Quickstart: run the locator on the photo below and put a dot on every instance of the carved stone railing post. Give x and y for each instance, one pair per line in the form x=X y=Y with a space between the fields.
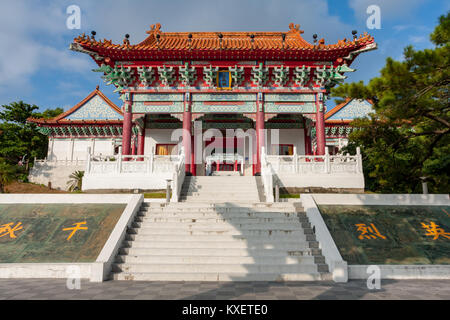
x=119 y=161
x=359 y=168
x=152 y=158
x=88 y=160
x=327 y=161
x=295 y=160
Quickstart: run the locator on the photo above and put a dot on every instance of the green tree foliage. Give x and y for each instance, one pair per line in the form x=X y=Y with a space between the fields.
x=7 y=174
x=20 y=139
x=408 y=135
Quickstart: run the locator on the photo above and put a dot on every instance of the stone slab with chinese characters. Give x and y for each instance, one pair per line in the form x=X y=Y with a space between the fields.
x=397 y=235
x=55 y=232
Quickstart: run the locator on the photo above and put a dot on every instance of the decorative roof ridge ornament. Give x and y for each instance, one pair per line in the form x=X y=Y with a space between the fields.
x=126 y=40
x=154 y=29
x=295 y=28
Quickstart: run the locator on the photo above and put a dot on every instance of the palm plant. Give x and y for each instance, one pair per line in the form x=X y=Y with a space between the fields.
x=76 y=180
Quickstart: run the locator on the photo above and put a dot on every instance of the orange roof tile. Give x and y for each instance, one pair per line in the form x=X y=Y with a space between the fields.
x=230 y=41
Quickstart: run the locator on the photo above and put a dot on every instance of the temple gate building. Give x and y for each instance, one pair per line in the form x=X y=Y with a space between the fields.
x=273 y=85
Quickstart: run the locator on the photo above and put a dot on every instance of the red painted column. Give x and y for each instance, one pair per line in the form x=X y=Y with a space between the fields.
x=126 y=132
x=260 y=135
x=320 y=127
x=187 y=136
x=193 y=165
x=141 y=142
x=307 y=145
x=133 y=145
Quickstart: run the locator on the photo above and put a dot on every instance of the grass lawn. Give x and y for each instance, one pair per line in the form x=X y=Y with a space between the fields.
x=154 y=195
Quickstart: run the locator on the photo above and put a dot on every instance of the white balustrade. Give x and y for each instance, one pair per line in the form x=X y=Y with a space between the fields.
x=301 y=164
x=131 y=164
x=223 y=158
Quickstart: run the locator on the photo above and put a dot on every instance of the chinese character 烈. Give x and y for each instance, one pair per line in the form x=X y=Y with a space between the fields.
x=7 y=229
x=370 y=232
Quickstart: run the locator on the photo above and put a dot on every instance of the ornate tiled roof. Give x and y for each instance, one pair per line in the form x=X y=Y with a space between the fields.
x=96 y=108
x=269 y=45
x=347 y=111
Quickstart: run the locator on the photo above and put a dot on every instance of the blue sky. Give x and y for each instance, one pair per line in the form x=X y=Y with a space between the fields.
x=37 y=67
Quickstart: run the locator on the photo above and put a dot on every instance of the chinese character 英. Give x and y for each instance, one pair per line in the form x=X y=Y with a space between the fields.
x=433 y=230
x=7 y=229
x=368 y=232
x=75 y=229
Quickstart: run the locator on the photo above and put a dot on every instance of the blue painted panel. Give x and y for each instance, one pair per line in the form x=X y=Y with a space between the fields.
x=354 y=109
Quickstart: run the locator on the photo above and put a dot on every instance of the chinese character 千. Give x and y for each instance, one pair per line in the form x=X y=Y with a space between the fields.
x=75 y=229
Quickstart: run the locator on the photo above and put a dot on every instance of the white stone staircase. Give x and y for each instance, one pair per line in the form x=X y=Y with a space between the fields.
x=219 y=189
x=228 y=241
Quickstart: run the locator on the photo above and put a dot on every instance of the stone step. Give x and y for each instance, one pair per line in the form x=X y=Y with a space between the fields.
x=247 y=224
x=219 y=245
x=316 y=276
x=209 y=204
x=222 y=226
x=221 y=215
x=224 y=252
x=219 y=208
x=215 y=185
x=265 y=233
x=277 y=260
x=221 y=237
x=217 y=201
x=219 y=268
x=221 y=219
x=215 y=232
x=224 y=178
x=232 y=194
x=220 y=186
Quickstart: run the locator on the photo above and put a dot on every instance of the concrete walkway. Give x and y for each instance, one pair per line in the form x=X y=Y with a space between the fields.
x=353 y=290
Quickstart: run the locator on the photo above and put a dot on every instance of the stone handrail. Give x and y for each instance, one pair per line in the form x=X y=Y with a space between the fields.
x=267 y=176
x=178 y=177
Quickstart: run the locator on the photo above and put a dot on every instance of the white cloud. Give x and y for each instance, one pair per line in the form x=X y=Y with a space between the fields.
x=30 y=41
x=418 y=39
x=390 y=9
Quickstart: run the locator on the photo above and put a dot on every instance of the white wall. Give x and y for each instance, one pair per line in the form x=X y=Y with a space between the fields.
x=76 y=148
x=157 y=136
x=55 y=172
x=322 y=180
x=295 y=137
x=126 y=181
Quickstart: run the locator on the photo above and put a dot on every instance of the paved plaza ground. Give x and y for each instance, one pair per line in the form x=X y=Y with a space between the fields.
x=353 y=290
